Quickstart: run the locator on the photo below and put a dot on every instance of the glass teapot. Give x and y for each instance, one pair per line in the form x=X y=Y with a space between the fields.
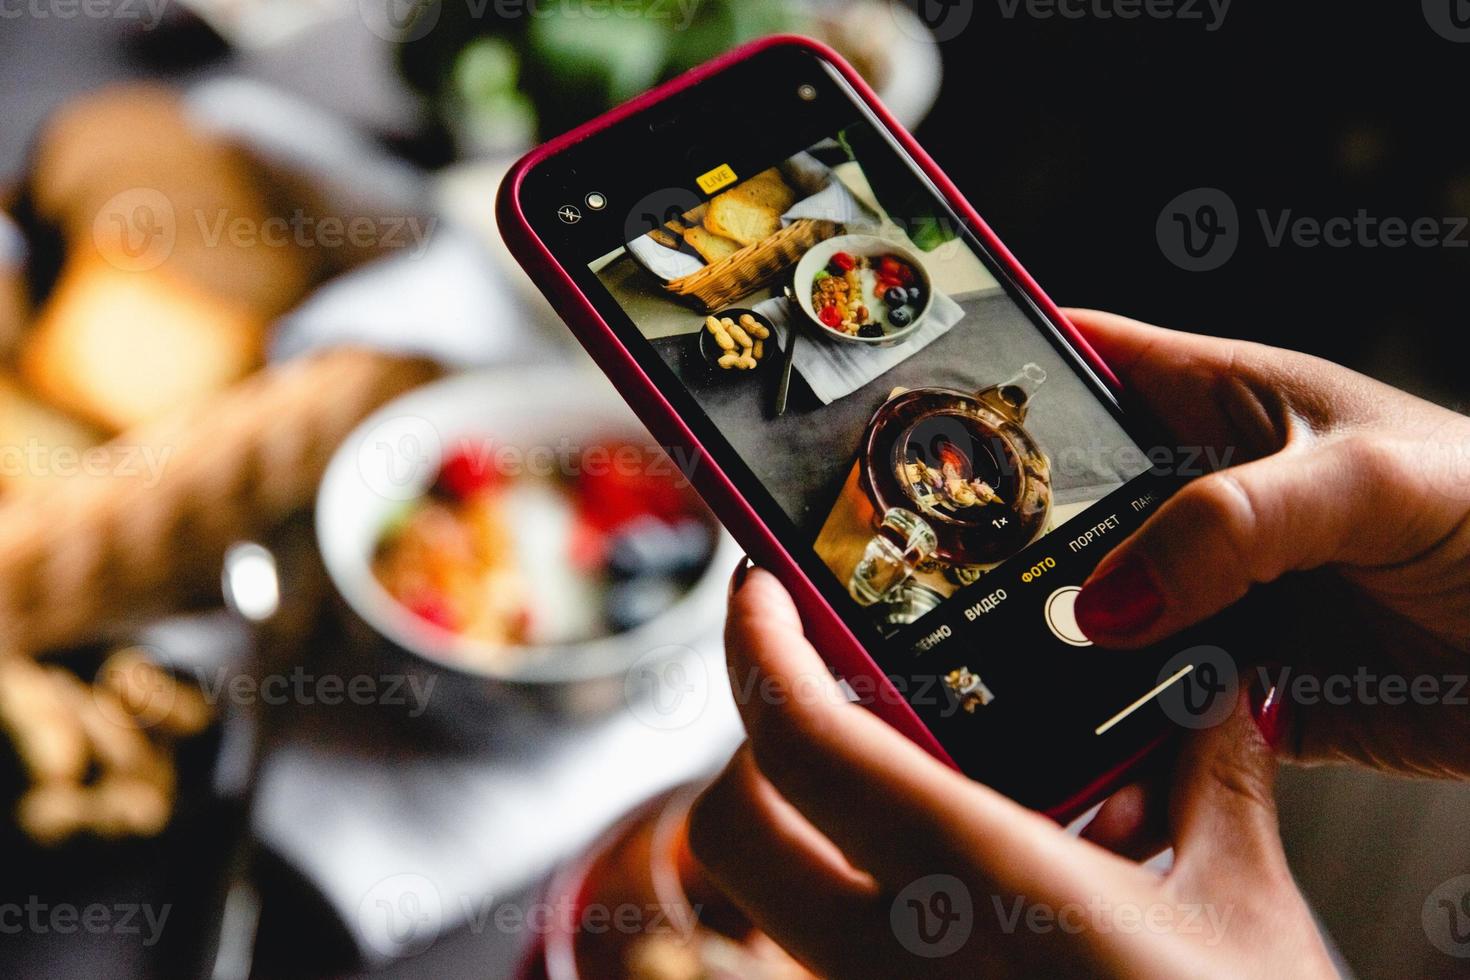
x=960 y=466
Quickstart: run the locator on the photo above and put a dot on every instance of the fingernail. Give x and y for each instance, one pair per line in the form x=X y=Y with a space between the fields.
x=738 y=578
x=1123 y=601
x=1268 y=709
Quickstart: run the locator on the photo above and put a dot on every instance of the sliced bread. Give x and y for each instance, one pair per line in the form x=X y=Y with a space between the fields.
x=710 y=246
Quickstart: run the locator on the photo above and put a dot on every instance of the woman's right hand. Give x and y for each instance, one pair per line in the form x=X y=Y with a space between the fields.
x=1363 y=489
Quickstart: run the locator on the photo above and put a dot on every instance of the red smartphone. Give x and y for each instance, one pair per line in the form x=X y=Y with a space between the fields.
x=876 y=399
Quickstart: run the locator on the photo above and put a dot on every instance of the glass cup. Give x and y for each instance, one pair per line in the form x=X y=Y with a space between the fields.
x=903 y=541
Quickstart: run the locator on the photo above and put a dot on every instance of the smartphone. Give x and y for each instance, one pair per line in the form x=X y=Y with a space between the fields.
x=880 y=404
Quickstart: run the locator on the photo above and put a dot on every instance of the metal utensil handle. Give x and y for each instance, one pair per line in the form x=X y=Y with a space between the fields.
x=787 y=356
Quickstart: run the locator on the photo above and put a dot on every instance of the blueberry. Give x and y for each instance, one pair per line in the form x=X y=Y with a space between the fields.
x=632 y=603
x=896 y=296
x=900 y=316
x=916 y=295
x=870 y=330
x=648 y=546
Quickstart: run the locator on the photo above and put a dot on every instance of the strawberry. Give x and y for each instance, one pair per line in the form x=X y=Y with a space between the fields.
x=465 y=472
x=433 y=609
x=611 y=496
x=587 y=548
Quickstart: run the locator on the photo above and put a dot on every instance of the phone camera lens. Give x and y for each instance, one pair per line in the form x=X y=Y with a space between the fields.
x=807 y=93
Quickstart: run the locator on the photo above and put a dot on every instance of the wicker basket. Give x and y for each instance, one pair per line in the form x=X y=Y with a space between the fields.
x=721 y=283
x=83 y=553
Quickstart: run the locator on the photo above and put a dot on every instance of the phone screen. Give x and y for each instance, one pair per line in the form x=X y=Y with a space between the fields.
x=941 y=462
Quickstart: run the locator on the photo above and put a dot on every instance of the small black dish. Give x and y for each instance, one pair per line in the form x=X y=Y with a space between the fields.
x=710 y=352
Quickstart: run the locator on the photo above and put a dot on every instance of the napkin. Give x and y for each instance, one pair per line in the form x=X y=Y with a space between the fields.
x=833 y=203
x=12 y=242
x=832 y=368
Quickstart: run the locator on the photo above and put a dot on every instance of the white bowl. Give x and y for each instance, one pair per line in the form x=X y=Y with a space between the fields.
x=867 y=246
x=392 y=458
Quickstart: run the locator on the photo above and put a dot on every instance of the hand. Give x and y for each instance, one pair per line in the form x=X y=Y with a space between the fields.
x=823 y=820
x=1353 y=496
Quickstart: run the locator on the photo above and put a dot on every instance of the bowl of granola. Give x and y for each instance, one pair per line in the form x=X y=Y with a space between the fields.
x=863 y=289
x=518 y=533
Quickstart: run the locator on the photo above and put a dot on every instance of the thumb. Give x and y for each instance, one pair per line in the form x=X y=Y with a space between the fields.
x=1208 y=544
x=1223 y=804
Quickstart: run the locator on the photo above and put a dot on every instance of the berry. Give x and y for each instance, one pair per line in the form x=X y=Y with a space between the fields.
x=466 y=471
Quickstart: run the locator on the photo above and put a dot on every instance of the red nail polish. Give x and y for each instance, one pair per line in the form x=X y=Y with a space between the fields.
x=1123 y=601
x=1268 y=709
x=738 y=578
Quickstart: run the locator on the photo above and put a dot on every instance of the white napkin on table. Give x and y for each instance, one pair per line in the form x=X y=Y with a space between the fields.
x=666 y=263
x=832 y=368
x=833 y=203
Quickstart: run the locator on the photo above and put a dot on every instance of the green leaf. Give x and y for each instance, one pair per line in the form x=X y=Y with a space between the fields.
x=486 y=69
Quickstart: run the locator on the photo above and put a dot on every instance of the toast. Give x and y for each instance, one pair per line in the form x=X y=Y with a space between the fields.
x=746 y=223
x=33 y=438
x=125 y=172
x=767 y=189
x=117 y=348
x=671 y=233
x=13 y=309
x=711 y=247
x=751 y=211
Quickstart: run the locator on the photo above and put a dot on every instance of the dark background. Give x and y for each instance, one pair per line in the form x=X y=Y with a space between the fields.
x=1070 y=137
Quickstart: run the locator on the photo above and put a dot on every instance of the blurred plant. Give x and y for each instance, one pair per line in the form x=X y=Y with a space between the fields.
x=908 y=202
x=503 y=75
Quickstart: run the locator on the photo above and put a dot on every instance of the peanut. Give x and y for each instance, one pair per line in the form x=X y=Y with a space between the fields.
x=754 y=327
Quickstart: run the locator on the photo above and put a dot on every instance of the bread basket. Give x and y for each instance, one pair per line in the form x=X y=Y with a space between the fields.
x=721 y=283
